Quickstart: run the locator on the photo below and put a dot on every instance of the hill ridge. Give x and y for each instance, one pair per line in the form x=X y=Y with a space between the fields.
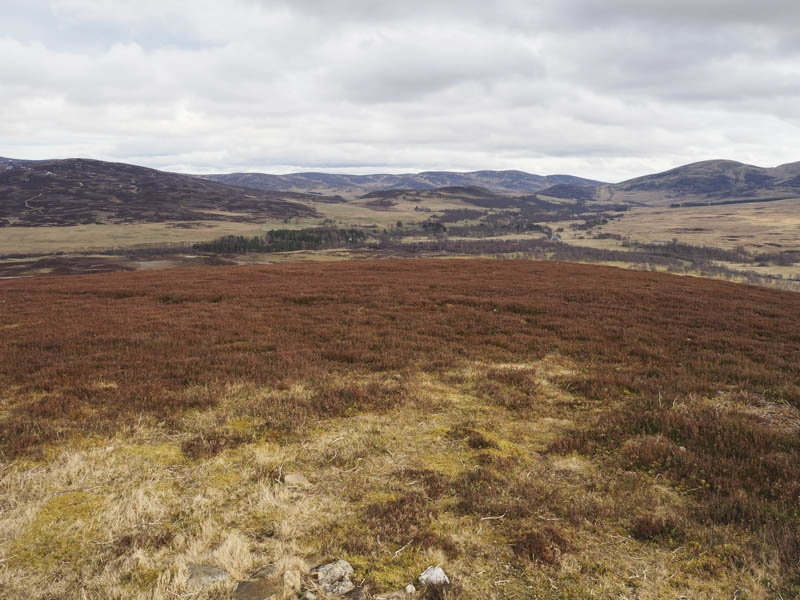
x=503 y=182
x=88 y=191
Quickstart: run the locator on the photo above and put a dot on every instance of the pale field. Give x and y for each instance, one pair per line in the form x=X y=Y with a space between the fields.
x=767 y=227
x=124 y=517
x=357 y=213
x=81 y=238
x=762 y=227
x=30 y=240
x=497 y=238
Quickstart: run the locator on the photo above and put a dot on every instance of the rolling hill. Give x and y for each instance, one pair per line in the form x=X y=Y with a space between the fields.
x=702 y=182
x=711 y=181
x=504 y=182
x=81 y=191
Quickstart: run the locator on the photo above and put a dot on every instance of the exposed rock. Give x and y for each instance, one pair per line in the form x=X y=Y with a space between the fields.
x=259 y=589
x=434 y=576
x=356 y=594
x=334 y=578
x=296 y=480
x=410 y=589
x=309 y=596
x=206 y=575
x=266 y=572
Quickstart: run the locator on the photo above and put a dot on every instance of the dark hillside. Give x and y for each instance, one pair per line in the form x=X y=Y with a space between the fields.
x=80 y=191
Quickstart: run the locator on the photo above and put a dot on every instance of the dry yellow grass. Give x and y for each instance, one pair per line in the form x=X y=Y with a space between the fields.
x=43 y=240
x=760 y=227
x=34 y=240
x=124 y=517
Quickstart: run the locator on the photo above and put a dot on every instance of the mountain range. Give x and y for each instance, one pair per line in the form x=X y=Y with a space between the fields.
x=351 y=186
x=703 y=182
x=83 y=191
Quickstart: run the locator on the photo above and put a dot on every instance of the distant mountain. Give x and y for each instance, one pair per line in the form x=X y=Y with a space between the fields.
x=708 y=182
x=453 y=191
x=352 y=186
x=569 y=191
x=81 y=191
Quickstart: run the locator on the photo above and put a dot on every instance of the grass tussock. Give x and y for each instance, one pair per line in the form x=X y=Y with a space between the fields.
x=546 y=544
x=516 y=389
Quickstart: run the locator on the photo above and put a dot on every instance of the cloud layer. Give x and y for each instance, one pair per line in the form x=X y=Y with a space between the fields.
x=608 y=89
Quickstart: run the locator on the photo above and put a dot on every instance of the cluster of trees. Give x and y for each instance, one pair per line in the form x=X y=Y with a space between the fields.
x=537 y=249
x=589 y=223
x=285 y=240
x=679 y=250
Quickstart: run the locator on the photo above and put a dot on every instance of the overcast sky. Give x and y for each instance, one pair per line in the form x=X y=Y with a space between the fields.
x=608 y=89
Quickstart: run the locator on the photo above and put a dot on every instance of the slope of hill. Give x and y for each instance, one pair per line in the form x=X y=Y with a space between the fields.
x=466 y=194
x=506 y=182
x=81 y=191
x=708 y=182
x=540 y=430
x=569 y=191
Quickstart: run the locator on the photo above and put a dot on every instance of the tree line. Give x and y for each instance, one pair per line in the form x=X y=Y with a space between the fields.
x=285 y=240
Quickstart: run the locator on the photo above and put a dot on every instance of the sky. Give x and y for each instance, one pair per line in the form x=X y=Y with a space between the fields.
x=607 y=89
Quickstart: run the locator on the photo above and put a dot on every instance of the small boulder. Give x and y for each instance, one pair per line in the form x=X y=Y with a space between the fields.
x=206 y=575
x=434 y=576
x=334 y=578
x=259 y=589
x=410 y=589
x=296 y=480
x=357 y=593
x=266 y=572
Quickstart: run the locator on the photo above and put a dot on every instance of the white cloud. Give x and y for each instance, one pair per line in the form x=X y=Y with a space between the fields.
x=607 y=89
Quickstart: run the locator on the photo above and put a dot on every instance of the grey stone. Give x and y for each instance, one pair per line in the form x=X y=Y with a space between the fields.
x=259 y=589
x=266 y=572
x=434 y=576
x=296 y=480
x=391 y=596
x=206 y=575
x=334 y=578
x=309 y=596
x=410 y=589
x=356 y=594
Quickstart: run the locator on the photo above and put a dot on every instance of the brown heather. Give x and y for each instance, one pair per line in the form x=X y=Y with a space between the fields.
x=567 y=430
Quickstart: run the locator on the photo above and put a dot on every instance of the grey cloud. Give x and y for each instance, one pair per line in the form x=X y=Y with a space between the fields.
x=606 y=89
x=406 y=64
x=781 y=13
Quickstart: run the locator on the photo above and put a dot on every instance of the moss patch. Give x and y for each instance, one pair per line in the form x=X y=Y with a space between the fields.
x=60 y=532
x=165 y=454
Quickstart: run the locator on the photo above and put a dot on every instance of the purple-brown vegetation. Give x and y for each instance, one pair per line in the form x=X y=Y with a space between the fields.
x=96 y=354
